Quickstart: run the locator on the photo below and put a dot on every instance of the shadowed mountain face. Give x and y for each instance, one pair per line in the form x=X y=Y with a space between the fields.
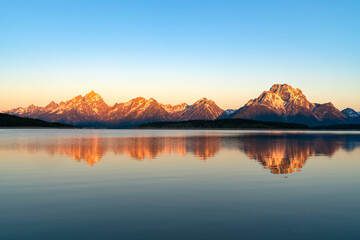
x=281 y=154
x=352 y=115
x=91 y=110
x=287 y=104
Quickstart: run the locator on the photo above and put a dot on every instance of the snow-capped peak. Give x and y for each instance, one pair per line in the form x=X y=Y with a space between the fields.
x=351 y=113
x=92 y=96
x=282 y=98
x=91 y=108
x=175 y=108
x=230 y=111
x=204 y=99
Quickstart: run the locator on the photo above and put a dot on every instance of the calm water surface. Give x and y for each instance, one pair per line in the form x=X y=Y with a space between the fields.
x=146 y=184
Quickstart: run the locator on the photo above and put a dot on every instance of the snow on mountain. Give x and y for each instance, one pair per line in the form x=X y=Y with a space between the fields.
x=285 y=103
x=176 y=108
x=281 y=103
x=203 y=109
x=92 y=110
x=137 y=110
x=350 y=113
x=230 y=111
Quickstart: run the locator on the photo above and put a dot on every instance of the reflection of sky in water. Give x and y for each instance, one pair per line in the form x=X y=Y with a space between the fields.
x=178 y=185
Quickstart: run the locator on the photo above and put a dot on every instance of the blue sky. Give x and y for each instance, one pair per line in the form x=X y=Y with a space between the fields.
x=178 y=51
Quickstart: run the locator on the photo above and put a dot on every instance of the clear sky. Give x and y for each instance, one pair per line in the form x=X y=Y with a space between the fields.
x=178 y=51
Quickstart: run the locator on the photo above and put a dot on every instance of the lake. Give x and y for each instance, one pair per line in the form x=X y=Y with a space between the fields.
x=179 y=184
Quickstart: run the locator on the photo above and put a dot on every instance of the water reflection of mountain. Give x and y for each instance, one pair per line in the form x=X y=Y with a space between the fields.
x=284 y=154
x=91 y=150
x=281 y=153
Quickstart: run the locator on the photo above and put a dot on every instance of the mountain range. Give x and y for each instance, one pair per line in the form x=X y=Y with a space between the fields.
x=91 y=110
x=281 y=103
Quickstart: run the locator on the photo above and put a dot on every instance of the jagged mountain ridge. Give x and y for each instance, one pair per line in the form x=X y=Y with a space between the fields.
x=281 y=103
x=287 y=104
x=91 y=110
x=203 y=109
x=137 y=110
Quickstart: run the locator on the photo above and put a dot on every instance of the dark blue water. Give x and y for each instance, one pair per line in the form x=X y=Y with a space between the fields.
x=129 y=184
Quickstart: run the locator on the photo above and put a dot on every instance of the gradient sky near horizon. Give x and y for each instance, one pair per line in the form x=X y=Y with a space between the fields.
x=178 y=51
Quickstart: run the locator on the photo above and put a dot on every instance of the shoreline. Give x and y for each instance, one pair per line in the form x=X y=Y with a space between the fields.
x=217 y=129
